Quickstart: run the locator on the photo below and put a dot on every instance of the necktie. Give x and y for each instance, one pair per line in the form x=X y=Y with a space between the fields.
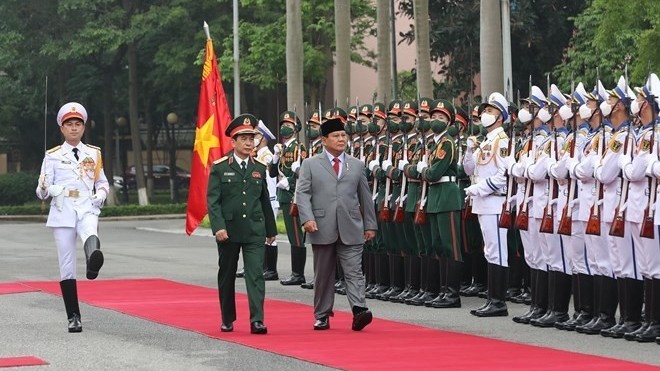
x=243 y=165
x=335 y=165
x=75 y=153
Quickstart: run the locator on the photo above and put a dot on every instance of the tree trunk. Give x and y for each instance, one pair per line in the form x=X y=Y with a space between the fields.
x=384 y=59
x=424 y=78
x=490 y=49
x=108 y=134
x=343 y=51
x=294 y=56
x=148 y=118
x=135 y=123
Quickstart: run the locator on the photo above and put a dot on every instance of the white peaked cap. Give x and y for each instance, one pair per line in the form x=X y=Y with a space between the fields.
x=71 y=110
x=263 y=129
x=537 y=97
x=580 y=94
x=556 y=97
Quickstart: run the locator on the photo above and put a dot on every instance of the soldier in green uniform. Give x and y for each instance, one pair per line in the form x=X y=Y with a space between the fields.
x=241 y=219
x=287 y=156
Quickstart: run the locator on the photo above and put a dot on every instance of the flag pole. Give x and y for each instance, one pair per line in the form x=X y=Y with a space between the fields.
x=237 y=74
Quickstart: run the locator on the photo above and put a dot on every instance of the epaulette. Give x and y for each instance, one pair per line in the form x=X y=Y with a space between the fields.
x=502 y=135
x=261 y=162
x=54 y=149
x=95 y=147
x=220 y=160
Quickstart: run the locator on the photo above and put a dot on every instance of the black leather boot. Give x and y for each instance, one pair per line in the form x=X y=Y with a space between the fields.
x=541 y=286
x=420 y=277
x=298 y=258
x=561 y=295
x=648 y=312
x=634 y=300
x=608 y=300
x=93 y=256
x=270 y=263
x=69 y=290
x=652 y=331
x=397 y=277
x=451 y=298
x=583 y=296
x=524 y=318
x=621 y=295
x=432 y=285
x=497 y=285
x=406 y=280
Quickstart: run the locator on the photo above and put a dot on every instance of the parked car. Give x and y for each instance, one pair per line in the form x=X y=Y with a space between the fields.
x=161 y=176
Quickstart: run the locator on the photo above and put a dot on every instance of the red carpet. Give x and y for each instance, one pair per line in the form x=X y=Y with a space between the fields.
x=21 y=361
x=15 y=288
x=383 y=345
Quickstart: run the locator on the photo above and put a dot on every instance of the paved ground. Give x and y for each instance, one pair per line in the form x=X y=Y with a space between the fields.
x=35 y=323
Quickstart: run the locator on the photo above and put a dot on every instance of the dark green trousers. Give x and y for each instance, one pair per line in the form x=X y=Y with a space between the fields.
x=253 y=259
x=446 y=234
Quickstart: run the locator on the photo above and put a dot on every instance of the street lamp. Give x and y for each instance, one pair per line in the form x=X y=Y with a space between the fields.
x=120 y=123
x=172 y=119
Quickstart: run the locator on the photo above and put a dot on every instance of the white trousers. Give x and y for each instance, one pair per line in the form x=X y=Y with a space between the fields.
x=648 y=253
x=66 y=242
x=495 y=244
x=577 y=251
x=598 y=255
x=622 y=253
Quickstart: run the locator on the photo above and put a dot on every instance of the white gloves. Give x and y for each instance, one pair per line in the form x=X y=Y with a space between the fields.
x=386 y=165
x=571 y=163
x=295 y=165
x=276 y=153
x=508 y=162
x=471 y=144
x=623 y=161
x=402 y=164
x=57 y=193
x=421 y=166
x=98 y=199
x=472 y=190
x=283 y=184
x=373 y=164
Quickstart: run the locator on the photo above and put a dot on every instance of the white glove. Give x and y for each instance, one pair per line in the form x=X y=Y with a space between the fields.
x=471 y=144
x=571 y=163
x=472 y=190
x=402 y=164
x=283 y=184
x=295 y=165
x=623 y=161
x=98 y=199
x=373 y=164
x=55 y=190
x=276 y=153
x=386 y=165
x=421 y=166
x=508 y=162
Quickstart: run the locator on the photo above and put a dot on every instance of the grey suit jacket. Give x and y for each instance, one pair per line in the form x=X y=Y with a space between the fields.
x=342 y=207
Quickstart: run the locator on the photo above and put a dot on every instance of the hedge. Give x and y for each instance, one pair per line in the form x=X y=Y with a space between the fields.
x=120 y=210
x=18 y=188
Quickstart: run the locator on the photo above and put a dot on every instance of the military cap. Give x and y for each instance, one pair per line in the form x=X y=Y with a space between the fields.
x=314 y=118
x=556 y=98
x=366 y=110
x=599 y=93
x=579 y=95
x=379 y=111
x=537 y=97
x=444 y=106
x=498 y=101
x=425 y=105
x=71 y=110
x=461 y=116
x=243 y=124
x=410 y=108
x=476 y=111
x=353 y=112
x=331 y=125
x=622 y=91
x=340 y=114
x=290 y=117
x=329 y=113
x=651 y=88
x=394 y=108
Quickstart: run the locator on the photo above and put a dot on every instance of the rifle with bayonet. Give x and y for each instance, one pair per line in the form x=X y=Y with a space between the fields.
x=420 y=210
x=593 y=224
x=399 y=210
x=374 y=189
x=522 y=218
x=293 y=209
x=385 y=212
x=618 y=226
x=467 y=210
x=548 y=220
x=505 y=216
x=566 y=221
x=648 y=225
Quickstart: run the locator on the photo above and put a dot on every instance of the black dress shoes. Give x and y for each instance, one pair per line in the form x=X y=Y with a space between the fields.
x=75 y=325
x=361 y=320
x=271 y=276
x=257 y=327
x=240 y=273
x=322 y=323
x=308 y=285
x=294 y=280
x=227 y=327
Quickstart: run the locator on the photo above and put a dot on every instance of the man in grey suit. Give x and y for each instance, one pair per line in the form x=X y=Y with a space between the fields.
x=337 y=212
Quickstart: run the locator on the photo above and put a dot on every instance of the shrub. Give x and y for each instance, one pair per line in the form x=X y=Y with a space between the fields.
x=18 y=188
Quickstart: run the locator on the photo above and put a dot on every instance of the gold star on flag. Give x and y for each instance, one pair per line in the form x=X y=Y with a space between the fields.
x=205 y=140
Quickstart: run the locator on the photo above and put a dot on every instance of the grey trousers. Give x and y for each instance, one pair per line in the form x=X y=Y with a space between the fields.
x=325 y=266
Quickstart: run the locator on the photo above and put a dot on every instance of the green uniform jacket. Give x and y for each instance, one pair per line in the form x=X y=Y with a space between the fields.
x=283 y=167
x=444 y=196
x=415 y=155
x=239 y=201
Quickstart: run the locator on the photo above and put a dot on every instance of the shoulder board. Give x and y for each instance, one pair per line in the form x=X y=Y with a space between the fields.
x=220 y=160
x=259 y=161
x=95 y=147
x=53 y=149
x=502 y=135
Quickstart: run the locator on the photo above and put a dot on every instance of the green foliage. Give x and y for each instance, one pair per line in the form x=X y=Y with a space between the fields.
x=17 y=188
x=122 y=210
x=279 y=220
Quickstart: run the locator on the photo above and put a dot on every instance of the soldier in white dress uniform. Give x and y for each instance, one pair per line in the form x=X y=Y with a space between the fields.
x=72 y=175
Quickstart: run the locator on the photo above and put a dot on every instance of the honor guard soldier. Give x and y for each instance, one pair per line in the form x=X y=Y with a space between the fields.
x=616 y=194
x=488 y=193
x=285 y=154
x=647 y=102
x=72 y=175
x=443 y=205
x=263 y=154
x=241 y=219
x=314 y=135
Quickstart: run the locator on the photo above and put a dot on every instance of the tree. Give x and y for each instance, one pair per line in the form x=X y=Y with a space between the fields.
x=424 y=77
x=384 y=60
x=343 y=49
x=294 y=55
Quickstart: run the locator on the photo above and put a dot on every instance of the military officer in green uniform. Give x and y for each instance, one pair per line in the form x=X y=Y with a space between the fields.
x=285 y=155
x=241 y=219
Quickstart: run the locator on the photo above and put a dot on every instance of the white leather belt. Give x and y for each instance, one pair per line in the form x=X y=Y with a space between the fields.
x=445 y=179
x=74 y=193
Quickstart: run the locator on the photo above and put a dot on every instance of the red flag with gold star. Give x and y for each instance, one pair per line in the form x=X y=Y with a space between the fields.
x=213 y=117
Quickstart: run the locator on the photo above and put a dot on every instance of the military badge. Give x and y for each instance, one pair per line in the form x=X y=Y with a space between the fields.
x=441 y=153
x=646 y=145
x=615 y=146
x=87 y=166
x=504 y=151
x=256 y=175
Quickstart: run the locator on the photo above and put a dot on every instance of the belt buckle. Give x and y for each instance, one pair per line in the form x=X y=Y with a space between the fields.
x=74 y=193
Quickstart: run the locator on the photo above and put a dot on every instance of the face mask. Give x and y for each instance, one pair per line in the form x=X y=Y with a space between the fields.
x=484 y=131
x=349 y=128
x=286 y=131
x=360 y=127
x=524 y=116
x=605 y=109
x=635 y=107
x=313 y=133
x=407 y=126
x=487 y=119
x=373 y=128
x=453 y=131
x=505 y=126
x=544 y=116
x=393 y=127
x=565 y=113
x=585 y=112
x=519 y=127
x=475 y=130
x=438 y=126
